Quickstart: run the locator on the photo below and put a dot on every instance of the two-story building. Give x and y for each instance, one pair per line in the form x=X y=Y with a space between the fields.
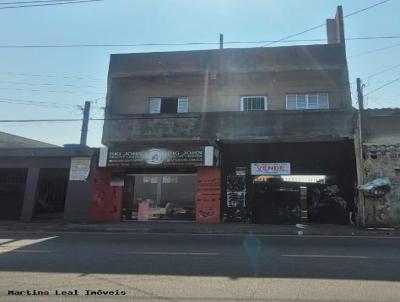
x=243 y=134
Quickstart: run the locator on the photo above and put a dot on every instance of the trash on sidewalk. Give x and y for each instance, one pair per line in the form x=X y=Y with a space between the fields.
x=377 y=187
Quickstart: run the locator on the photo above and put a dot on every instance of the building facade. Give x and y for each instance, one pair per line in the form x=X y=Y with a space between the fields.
x=258 y=134
x=42 y=183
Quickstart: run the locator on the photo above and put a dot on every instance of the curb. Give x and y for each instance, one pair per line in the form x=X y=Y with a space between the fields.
x=199 y=230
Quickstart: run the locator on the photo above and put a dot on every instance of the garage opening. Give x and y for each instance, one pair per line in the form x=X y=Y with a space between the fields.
x=298 y=198
x=51 y=193
x=319 y=187
x=12 y=191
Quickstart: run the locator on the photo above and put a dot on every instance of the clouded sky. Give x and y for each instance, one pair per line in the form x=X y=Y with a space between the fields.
x=52 y=82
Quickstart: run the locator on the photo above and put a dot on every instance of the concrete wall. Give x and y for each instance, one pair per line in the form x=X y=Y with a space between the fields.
x=382 y=126
x=381 y=151
x=211 y=92
x=241 y=126
x=79 y=198
x=383 y=161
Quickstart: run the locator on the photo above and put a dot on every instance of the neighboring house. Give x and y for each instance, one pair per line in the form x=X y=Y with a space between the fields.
x=40 y=181
x=8 y=140
x=216 y=133
x=381 y=159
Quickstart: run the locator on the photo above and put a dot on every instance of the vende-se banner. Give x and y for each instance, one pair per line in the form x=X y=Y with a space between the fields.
x=270 y=169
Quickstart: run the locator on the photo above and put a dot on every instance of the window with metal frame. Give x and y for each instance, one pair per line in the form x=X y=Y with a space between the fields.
x=168 y=105
x=253 y=103
x=307 y=101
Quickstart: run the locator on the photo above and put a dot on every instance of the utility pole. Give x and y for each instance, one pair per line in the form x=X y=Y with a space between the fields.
x=359 y=146
x=85 y=123
x=360 y=97
x=221 y=41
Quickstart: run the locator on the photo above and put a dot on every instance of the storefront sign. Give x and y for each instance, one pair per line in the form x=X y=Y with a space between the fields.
x=157 y=157
x=241 y=171
x=270 y=169
x=80 y=168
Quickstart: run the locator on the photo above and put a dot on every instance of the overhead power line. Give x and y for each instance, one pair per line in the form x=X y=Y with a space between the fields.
x=374 y=50
x=383 y=86
x=48 y=4
x=383 y=71
x=15 y=101
x=185 y=43
x=34 y=1
x=91 y=119
x=50 y=76
x=51 y=91
x=34 y=103
x=323 y=24
x=46 y=84
x=366 y=8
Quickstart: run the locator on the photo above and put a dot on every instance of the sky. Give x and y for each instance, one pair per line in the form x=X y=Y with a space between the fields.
x=43 y=83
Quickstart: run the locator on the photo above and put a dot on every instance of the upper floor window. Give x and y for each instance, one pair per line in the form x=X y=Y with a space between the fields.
x=169 y=105
x=253 y=103
x=307 y=101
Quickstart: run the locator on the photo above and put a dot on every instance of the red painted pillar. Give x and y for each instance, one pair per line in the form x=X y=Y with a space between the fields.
x=114 y=206
x=208 y=196
x=107 y=200
x=100 y=192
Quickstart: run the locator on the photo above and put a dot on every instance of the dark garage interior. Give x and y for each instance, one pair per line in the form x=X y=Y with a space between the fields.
x=12 y=190
x=276 y=200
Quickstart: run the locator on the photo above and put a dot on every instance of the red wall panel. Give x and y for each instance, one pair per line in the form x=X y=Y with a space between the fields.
x=107 y=200
x=208 y=196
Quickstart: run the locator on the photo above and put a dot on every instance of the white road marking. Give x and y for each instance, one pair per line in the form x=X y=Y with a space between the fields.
x=2 y=251
x=326 y=256
x=5 y=240
x=14 y=245
x=174 y=253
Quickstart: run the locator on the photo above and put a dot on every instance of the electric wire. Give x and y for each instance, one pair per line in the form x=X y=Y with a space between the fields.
x=374 y=50
x=383 y=86
x=35 y=1
x=51 y=91
x=48 y=4
x=382 y=71
x=34 y=103
x=185 y=43
x=47 y=84
x=50 y=76
x=323 y=24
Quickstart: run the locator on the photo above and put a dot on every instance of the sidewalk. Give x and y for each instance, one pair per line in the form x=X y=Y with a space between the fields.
x=181 y=227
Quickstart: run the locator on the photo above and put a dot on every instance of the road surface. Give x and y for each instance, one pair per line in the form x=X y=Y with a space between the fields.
x=182 y=267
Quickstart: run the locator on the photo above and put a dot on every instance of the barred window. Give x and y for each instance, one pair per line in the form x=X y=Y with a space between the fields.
x=307 y=101
x=253 y=103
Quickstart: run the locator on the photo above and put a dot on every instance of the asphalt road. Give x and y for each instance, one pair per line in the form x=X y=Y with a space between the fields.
x=173 y=267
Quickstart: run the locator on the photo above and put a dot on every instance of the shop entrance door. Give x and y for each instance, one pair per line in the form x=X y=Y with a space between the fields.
x=169 y=196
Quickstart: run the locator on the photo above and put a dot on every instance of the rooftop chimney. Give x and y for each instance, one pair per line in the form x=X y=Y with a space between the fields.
x=335 y=28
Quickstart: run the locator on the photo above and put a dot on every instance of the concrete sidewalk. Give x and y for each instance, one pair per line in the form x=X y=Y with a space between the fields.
x=180 y=227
